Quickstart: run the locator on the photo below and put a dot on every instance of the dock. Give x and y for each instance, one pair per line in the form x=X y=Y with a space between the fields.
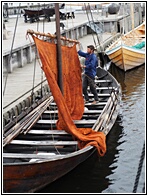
x=20 y=80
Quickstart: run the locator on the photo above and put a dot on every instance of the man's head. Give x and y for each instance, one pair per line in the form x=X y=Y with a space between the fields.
x=90 y=49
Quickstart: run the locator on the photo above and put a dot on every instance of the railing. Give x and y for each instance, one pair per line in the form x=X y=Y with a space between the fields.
x=26 y=53
x=19 y=57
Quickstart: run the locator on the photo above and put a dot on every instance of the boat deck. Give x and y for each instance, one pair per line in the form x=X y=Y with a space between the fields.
x=44 y=136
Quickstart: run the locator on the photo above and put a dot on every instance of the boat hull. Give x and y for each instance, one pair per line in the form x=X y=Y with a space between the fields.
x=28 y=178
x=126 y=57
x=33 y=13
x=123 y=52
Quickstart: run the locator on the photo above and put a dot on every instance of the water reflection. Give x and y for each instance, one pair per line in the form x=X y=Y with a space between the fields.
x=129 y=80
x=133 y=122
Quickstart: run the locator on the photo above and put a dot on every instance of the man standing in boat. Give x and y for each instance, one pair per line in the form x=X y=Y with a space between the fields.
x=90 y=69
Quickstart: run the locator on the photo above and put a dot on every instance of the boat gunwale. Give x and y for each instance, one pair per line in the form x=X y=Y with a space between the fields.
x=114 y=47
x=141 y=51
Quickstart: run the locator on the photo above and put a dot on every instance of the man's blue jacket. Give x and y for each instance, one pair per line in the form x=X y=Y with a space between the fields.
x=91 y=63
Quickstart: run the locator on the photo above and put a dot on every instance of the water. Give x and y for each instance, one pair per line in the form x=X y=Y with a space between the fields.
x=117 y=170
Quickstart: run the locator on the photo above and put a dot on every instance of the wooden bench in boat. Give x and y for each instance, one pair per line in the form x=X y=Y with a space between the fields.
x=98 y=104
x=100 y=95
x=77 y=122
x=44 y=143
x=87 y=112
x=52 y=132
x=105 y=88
x=102 y=81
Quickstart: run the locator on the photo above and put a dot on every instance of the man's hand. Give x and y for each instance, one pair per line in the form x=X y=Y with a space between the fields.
x=83 y=66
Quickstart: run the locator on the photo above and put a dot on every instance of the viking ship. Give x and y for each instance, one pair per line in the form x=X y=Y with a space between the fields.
x=62 y=131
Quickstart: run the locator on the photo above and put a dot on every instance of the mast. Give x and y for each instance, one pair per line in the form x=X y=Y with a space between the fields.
x=59 y=56
x=132 y=15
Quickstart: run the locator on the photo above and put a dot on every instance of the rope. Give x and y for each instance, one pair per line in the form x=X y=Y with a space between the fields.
x=95 y=85
x=33 y=82
x=34 y=75
x=43 y=21
x=51 y=126
x=139 y=170
x=74 y=32
x=143 y=190
x=90 y=80
x=10 y=55
x=90 y=24
x=94 y=23
x=97 y=37
x=36 y=56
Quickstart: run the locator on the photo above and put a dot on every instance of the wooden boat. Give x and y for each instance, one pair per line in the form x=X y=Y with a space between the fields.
x=44 y=154
x=35 y=151
x=128 y=51
x=48 y=12
x=33 y=15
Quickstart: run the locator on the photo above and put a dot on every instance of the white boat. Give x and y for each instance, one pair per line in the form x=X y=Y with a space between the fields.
x=129 y=50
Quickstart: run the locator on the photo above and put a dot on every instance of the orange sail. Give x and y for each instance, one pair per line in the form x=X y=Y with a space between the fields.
x=71 y=104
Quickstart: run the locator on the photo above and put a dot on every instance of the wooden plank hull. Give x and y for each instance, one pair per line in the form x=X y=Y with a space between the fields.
x=31 y=177
x=33 y=13
x=34 y=159
x=126 y=57
x=48 y=12
x=123 y=54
